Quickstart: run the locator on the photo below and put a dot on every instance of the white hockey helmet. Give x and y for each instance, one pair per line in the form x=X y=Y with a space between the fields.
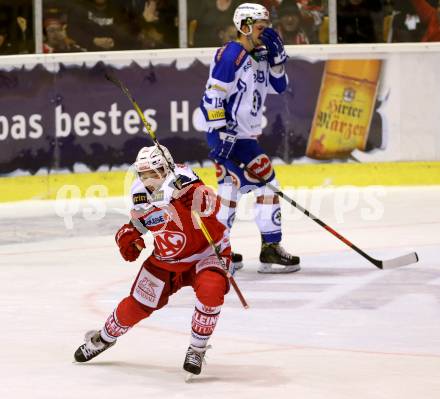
x=151 y=158
x=248 y=13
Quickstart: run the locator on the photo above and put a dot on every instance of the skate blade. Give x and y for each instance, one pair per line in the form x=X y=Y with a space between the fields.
x=189 y=377
x=235 y=267
x=238 y=265
x=269 y=268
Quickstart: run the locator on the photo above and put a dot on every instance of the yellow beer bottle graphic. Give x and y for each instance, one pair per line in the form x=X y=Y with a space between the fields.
x=345 y=107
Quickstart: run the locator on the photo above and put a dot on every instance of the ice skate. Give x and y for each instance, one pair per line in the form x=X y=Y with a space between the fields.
x=274 y=259
x=93 y=346
x=193 y=361
x=237 y=261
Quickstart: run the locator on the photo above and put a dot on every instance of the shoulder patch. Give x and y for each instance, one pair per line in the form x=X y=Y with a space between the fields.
x=182 y=181
x=232 y=52
x=220 y=53
x=240 y=57
x=157 y=196
x=140 y=198
x=228 y=61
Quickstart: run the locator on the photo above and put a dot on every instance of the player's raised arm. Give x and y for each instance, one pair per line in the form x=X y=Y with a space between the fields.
x=276 y=57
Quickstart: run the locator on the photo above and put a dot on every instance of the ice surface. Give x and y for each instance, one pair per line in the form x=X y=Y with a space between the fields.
x=340 y=328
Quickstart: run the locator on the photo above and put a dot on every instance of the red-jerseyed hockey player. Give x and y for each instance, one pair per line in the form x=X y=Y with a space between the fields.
x=181 y=256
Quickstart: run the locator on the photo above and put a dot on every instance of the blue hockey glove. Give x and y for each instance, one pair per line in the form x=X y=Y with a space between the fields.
x=276 y=55
x=222 y=151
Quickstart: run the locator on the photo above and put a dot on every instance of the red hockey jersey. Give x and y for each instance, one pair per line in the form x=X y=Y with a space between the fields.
x=179 y=243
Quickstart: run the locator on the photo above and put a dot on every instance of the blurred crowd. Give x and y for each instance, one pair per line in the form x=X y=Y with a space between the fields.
x=298 y=21
x=99 y=25
x=388 y=21
x=16 y=27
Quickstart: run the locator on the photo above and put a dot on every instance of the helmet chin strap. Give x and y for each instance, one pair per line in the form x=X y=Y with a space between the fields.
x=250 y=30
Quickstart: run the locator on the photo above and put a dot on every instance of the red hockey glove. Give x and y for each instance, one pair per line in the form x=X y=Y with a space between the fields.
x=198 y=197
x=128 y=240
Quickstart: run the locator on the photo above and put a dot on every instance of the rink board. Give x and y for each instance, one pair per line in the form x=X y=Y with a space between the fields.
x=304 y=175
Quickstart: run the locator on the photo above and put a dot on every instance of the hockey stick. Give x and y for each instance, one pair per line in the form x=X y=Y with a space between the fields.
x=208 y=237
x=381 y=264
x=220 y=259
x=112 y=78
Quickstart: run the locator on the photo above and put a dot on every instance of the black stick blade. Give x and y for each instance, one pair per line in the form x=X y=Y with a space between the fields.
x=112 y=78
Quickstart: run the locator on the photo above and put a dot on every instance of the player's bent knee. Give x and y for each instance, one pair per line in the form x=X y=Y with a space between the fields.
x=210 y=288
x=129 y=311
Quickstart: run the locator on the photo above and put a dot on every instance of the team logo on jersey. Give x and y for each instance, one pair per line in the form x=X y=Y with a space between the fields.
x=155 y=218
x=261 y=166
x=256 y=103
x=168 y=244
x=276 y=217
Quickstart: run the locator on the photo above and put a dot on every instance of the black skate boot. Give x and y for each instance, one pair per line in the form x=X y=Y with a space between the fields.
x=194 y=359
x=93 y=346
x=237 y=261
x=274 y=254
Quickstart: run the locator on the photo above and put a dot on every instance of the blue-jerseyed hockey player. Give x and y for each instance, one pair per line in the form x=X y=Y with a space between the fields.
x=242 y=73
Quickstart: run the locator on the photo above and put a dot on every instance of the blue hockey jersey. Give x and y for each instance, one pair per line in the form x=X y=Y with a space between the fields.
x=236 y=90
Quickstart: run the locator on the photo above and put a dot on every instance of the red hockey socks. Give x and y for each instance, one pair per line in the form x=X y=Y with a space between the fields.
x=126 y=315
x=113 y=329
x=204 y=321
